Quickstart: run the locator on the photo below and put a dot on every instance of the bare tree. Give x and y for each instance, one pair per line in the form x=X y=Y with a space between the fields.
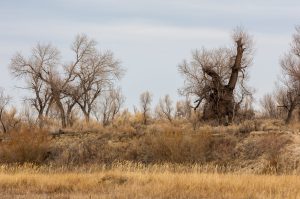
x=11 y=119
x=290 y=63
x=288 y=95
x=8 y=117
x=79 y=82
x=244 y=109
x=4 y=101
x=288 y=99
x=110 y=105
x=95 y=74
x=269 y=105
x=42 y=97
x=145 y=102
x=41 y=71
x=27 y=115
x=216 y=76
x=183 y=109
x=36 y=69
x=164 y=108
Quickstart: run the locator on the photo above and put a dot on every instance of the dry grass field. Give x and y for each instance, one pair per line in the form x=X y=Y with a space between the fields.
x=67 y=130
x=255 y=159
x=138 y=181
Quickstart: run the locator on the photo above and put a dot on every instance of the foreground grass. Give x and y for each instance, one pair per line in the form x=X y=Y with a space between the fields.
x=129 y=181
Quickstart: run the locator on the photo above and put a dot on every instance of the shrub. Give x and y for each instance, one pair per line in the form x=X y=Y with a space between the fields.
x=170 y=144
x=222 y=149
x=273 y=144
x=247 y=127
x=267 y=147
x=24 y=145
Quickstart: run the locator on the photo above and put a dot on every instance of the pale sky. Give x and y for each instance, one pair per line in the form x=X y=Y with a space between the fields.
x=150 y=37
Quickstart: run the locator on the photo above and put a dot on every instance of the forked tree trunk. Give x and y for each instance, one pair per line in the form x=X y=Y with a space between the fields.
x=41 y=119
x=220 y=104
x=290 y=111
x=68 y=118
x=87 y=117
x=61 y=110
x=289 y=117
x=62 y=115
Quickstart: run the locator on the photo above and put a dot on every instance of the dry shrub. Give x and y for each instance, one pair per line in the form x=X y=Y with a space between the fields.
x=222 y=149
x=273 y=125
x=249 y=126
x=231 y=129
x=126 y=128
x=82 y=125
x=273 y=144
x=170 y=144
x=195 y=119
x=85 y=152
x=295 y=126
x=123 y=123
x=25 y=145
x=137 y=118
x=267 y=146
x=91 y=147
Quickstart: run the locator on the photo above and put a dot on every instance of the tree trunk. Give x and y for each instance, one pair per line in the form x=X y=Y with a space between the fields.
x=69 y=113
x=220 y=107
x=220 y=104
x=145 y=119
x=2 y=122
x=41 y=119
x=87 y=117
x=62 y=113
x=237 y=65
x=68 y=118
x=289 y=115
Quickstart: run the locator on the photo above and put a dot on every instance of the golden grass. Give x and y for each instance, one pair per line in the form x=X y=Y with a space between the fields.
x=139 y=181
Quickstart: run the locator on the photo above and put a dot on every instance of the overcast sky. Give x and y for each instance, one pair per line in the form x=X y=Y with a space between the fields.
x=150 y=37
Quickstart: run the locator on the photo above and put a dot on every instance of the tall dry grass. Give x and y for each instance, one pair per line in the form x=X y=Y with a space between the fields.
x=24 y=145
x=138 y=181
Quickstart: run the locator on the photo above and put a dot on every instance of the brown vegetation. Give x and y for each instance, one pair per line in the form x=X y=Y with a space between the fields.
x=74 y=121
x=254 y=146
x=137 y=181
x=24 y=145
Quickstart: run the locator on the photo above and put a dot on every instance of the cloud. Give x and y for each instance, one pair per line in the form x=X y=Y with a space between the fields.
x=254 y=8
x=150 y=37
x=129 y=31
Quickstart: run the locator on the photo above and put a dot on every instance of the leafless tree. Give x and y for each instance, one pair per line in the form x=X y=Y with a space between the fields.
x=288 y=99
x=78 y=82
x=36 y=69
x=8 y=117
x=288 y=95
x=110 y=105
x=41 y=71
x=41 y=99
x=244 y=109
x=95 y=74
x=183 y=109
x=11 y=119
x=145 y=102
x=269 y=105
x=216 y=76
x=27 y=115
x=290 y=63
x=165 y=108
x=4 y=101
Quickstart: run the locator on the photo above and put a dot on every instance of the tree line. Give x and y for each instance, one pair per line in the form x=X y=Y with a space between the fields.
x=215 y=84
x=285 y=99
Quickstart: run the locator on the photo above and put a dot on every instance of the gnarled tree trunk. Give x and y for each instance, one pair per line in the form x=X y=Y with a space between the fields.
x=220 y=104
